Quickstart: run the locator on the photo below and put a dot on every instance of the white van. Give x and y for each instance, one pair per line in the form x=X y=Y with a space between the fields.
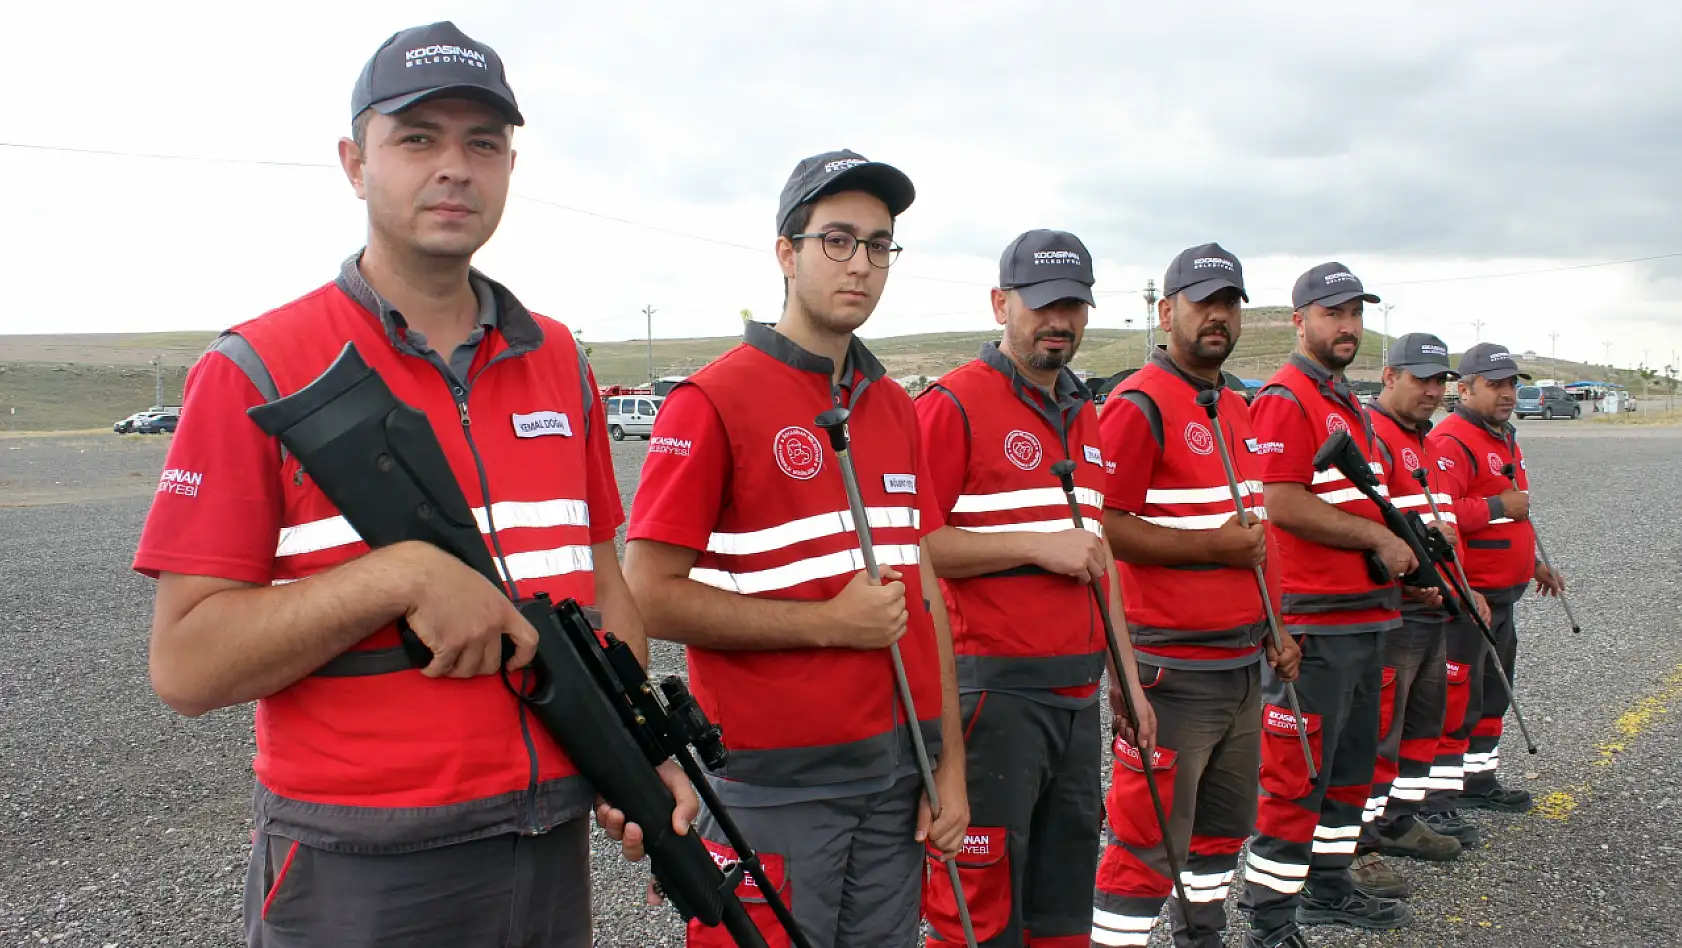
x=632 y=416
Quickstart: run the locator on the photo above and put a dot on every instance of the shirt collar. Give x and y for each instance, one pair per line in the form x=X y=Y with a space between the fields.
x=498 y=309
x=1323 y=376
x=859 y=360
x=1067 y=390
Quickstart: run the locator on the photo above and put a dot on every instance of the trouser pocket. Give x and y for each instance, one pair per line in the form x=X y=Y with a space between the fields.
x=1284 y=772
x=984 y=872
x=752 y=897
x=1387 y=702
x=1131 y=812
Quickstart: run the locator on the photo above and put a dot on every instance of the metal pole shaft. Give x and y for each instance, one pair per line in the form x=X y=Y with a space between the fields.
x=1266 y=598
x=867 y=550
x=1463 y=590
x=1542 y=551
x=1065 y=471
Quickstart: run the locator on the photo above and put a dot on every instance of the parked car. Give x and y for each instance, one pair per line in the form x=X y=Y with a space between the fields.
x=129 y=424
x=1546 y=401
x=632 y=416
x=157 y=424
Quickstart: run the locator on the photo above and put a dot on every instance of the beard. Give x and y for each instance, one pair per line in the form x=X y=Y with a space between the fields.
x=1326 y=352
x=1053 y=360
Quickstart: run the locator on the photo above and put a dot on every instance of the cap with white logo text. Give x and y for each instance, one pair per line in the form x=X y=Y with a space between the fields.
x=1044 y=266
x=1491 y=361
x=835 y=171
x=435 y=61
x=1329 y=284
x=1201 y=272
x=1421 y=355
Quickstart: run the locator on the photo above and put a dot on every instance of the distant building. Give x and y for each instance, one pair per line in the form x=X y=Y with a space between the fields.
x=1529 y=355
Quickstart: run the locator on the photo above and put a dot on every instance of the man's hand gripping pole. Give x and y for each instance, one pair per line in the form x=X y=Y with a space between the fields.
x=834 y=423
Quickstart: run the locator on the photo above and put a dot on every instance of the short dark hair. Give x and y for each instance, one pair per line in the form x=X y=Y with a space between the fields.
x=359 y=128
x=798 y=219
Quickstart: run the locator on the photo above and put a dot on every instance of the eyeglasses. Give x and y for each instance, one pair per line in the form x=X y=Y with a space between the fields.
x=840 y=246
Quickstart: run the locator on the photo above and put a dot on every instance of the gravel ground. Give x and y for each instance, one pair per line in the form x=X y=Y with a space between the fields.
x=123 y=824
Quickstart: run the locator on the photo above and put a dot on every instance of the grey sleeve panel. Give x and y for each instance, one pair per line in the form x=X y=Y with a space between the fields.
x=1279 y=391
x=1147 y=407
x=240 y=352
x=960 y=406
x=588 y=393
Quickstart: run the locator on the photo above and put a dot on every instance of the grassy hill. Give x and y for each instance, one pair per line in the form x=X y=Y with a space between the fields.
x=70 y=381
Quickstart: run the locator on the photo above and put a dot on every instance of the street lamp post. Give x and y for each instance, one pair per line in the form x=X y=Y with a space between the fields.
x=1384 y=349
x=648 y=313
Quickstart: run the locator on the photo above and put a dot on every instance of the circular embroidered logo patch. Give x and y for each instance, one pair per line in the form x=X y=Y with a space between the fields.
x=1023 y=449
x=1335 y=423
x=798 y=453
x=1495 y=464
x=1409 y=459
x=1199 y=439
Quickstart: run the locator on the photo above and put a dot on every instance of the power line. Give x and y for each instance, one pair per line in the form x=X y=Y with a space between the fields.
x=263 y=162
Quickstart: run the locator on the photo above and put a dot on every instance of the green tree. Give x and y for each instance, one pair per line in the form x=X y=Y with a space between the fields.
x=578 y=334
x=747 y=316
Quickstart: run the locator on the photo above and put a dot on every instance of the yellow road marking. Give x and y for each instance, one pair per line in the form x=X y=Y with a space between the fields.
x=1559 y=804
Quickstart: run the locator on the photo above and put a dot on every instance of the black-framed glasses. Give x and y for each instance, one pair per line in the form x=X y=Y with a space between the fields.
x=840 y=246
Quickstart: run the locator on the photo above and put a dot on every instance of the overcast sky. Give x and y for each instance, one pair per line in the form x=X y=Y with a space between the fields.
x=1419 y=144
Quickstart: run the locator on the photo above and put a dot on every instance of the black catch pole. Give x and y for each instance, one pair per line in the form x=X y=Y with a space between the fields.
x=1065 y=471
x=1210 y=403
x=1512 y=475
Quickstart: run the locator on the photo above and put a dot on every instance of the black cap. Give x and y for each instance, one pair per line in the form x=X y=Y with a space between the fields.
x=1421 y=355
x=1491 y=361
x=844 y=170
x=431 y=62
x=1200 y=272
x=1329 y=284
x=1045 y=266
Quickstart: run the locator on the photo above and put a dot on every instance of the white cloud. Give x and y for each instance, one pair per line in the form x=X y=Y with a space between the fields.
x=1414 y=144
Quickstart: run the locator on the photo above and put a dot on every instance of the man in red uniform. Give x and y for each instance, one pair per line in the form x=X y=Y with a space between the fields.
x=1415 y=680
x=1198 y=622
x=742 y=547
x=1338 y=568
x=1477 y=443
x=1016 y=576
x=397 y=806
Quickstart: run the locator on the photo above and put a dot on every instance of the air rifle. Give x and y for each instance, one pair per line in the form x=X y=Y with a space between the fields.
x=380 y=464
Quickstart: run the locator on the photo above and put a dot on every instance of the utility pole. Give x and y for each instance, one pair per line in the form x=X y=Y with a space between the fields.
x=1553 y=350
x=648 y=313
x=158 y=377
x=1384 y=350
x=1607 y=347
x=1150 y=319
x=1477 y=329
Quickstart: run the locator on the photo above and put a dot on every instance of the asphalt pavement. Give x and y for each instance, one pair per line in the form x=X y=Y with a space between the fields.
x=123 y=824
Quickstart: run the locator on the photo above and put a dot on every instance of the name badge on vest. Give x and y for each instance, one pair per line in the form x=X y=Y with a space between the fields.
x=1093 y=455
x=540 y=423
x=899 y=483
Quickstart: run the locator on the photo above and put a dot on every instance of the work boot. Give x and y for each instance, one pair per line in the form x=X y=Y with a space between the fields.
x=1453 y=823
x=1376 y=879
x=1288 y=937
x=1356 y=909
x=1420 y=842
x=1493 y=796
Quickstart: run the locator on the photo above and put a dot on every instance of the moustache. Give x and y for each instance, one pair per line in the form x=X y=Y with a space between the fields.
x=1345 y=338
x=1054 y=334
x=1216 y=329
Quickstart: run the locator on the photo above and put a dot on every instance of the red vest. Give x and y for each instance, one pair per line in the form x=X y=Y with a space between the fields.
x=1024 y=628
x=1502 y=555
x=1407 y=451
x=800 y=717
x=332 y=747
x=1195 y=616
x=1327 y=589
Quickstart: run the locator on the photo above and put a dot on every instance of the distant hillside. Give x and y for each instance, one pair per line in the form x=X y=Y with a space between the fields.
x=70 y=381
